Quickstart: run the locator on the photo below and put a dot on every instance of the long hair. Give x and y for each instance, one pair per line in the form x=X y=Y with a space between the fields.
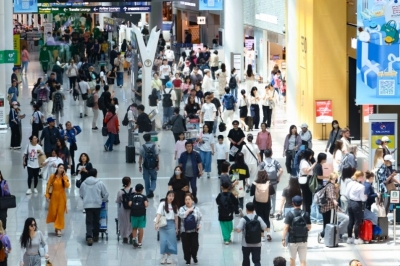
x=25 y=238
x=378 y=155
x=294 y=188
x=1 y=176
x=62 y=142
x=173 y=177
x=249 y=71
x=166 y=209
x=87 y=157
x=335 y=122
x=290 y=131
x=239 y=158
x=348 y=172
x=223 y=67
x=338 y=146
x=262 y=177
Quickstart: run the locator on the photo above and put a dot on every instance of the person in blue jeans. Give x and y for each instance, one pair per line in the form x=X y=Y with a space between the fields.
x=206 y=146
x=190 y=163
x=112 y=124
x=149 y=165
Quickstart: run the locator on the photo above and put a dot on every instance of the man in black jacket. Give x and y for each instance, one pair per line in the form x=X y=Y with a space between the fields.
x=50 y=135
x=113 y=55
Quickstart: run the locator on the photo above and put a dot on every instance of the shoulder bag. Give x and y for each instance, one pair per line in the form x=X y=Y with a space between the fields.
x=7 y=201
x=332 y=147
x=313 y=183
x=251 y=153
x=104 y=130
x=163 y=220
x=84 y=95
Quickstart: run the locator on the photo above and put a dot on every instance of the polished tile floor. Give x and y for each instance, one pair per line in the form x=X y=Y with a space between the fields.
x=71 y=248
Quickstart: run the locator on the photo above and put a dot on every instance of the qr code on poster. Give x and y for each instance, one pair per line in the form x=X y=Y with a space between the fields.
x=386 y=87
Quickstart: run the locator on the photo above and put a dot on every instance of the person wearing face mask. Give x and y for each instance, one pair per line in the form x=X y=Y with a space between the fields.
x=355 y=192
x=336 y=134
x=386 y=180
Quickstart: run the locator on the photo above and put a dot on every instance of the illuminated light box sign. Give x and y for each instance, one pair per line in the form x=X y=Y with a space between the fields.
x=211 y=4
x=25 y=6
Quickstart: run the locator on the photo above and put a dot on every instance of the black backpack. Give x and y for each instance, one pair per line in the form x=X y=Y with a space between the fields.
x=298 y=228
x=226 y=207
x=166 y=101
x=232 y=82
x=126 y=198
x=147 y=124
x=150 y=157
x=57 y=101
x=137 y=202
x=101 y=103
x=253 y=230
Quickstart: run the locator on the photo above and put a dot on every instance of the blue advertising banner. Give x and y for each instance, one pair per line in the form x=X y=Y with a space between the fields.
x=378 y=52
x=382 y=128
x=211 y=5
x=25 y=6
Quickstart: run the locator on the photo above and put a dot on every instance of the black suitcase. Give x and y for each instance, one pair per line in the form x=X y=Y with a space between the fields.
x=383 y=223
x=249 y=122
x=130 y=154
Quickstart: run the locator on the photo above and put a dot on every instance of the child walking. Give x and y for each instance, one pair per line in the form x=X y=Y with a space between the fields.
x=227 y=205
x=138 y=205
x=221 y=151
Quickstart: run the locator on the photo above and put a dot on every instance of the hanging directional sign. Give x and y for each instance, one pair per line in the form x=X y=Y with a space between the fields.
x=52 y=10
x=201 y=20
x=94 y=9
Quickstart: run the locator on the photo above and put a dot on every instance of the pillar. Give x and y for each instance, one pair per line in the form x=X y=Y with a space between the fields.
x=29 y=20
x=103 y=15
x=319 y=70
x=142 y=20
x=36 y=20
x=233 y=34
x=156 y=16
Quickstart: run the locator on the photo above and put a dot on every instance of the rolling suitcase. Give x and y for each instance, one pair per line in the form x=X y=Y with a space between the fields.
x=130 y=154
x=331 y=234
x=383 y=223
x=249 y=122
x=366 y=231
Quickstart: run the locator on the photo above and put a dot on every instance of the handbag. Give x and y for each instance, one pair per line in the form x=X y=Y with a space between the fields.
x=41 y=159
x=84 y=95
x=302 y=179
x=51 y=187
x=42 y=251
x=332 y=147
x=240 y=189
x=313 y=183
x=73 y=146
x=8 y=202
x=104 y=130
x=162 y=222
x=48 y=263
x=278 y=224
x=390 y=28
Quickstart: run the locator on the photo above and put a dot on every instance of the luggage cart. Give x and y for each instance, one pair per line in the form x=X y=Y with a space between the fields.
x=104 y=220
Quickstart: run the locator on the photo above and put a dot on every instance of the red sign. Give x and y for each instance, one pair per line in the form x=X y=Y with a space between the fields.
x=323 y=110
x=367 y=110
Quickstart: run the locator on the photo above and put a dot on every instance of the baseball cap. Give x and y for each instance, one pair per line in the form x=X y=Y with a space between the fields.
x=304 y=125
x=139 y=187
x=15 y=68
x=385 y=138
x=206 y=70
x=389 y=157
x=50 y=119
x=297 y=200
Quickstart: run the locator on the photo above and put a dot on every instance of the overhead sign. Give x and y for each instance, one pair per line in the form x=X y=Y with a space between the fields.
x=73 y=2
x=119 y=9
x=52 y=10
x=25 y=6
x=8 y=57
x=323 y=111
x=211 y=4
x=201 y=20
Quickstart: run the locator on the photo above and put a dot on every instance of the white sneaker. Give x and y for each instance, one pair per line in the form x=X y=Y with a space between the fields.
x=169 y=260
x=358 y=241
x=263 y=238
x=350 y=240
x=164 y=261
x=35 y=191
x=29 y=191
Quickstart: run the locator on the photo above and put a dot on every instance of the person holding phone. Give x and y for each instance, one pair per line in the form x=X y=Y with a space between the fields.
x=385 y=175
x=384 y=142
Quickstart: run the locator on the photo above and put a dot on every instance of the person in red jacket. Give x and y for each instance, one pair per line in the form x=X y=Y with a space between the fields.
x=112 y=124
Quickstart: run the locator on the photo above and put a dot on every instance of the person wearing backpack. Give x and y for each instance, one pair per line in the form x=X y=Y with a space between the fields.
x=251 y=227
x=262 y=189
x=295 y=232
x=229 y=102
x=178 y=123
x=58 y=98
x=190 y=225
x=43 y=94
x=143 y=123
x=233 y=82
x=227 y=205
x=124 y=209
x=274 y=171
x=169 y=97
x=138 y=204
x=149 y=164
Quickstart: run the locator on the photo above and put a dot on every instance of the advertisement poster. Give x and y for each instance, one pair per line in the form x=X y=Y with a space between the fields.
x=378 y=52
x=367 y=110
x=25 y=6
x=380 y=129
x=211 y=4
x=17 y=48
x=323 y=111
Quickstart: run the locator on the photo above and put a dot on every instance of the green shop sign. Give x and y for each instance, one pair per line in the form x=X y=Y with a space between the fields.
x=8 y=56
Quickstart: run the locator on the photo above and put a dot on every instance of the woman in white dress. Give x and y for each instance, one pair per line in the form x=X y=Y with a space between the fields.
x=222 y=82
x=250 y=78
x=50 y=165
x=337 y=155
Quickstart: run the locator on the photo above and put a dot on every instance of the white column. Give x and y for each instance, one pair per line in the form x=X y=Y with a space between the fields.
x=36 y=20
x=291 y=62
x=103 y=15
x=143 y=19
x=156 y=16
x=29 y=19
x=233 y=33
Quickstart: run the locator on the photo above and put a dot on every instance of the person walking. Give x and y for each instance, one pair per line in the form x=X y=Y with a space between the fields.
x=93 y=193
x=254 y=107
x=306 y=136
x=167 y=103
x=208 y=111
x=291 y=145
x=31 y=153
x=206 y=148
x=63 y=153
x=43 y=97
x=335 y=135
x=5 y=191
x=306 y=172
x=31 y=241
x=58 y=98
x=24 y=60
x=345 y=179
x=50 y=135
x=180 y=185
x=83 y=91
x=70 y=137
x=149 y=164
x=124 y=215
x=143 y=123
x=250 y=78
x=214 y=61
x=251 y=226
x=293 y=189
x=50 y=165
x=168 y=242
x=138 y=204
x=268 y=104
x=112 y=123
x=221 y=75
x=234 y=82
x=191 y=164
x=262 y=190
x=337 y=155
x=57 y=198
x=264 y=140
x=227 y=205
x=95 y=107
x=15 y=123
x=178 y=123
x=229 y=103
x=5 y=240
x=119 y=64
x=295 y=232
x=190 y=225
x=236 y=138
x=36 y=120
x=251 y=155
x=177 y=85
x=355 y=192
x=72 y=74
